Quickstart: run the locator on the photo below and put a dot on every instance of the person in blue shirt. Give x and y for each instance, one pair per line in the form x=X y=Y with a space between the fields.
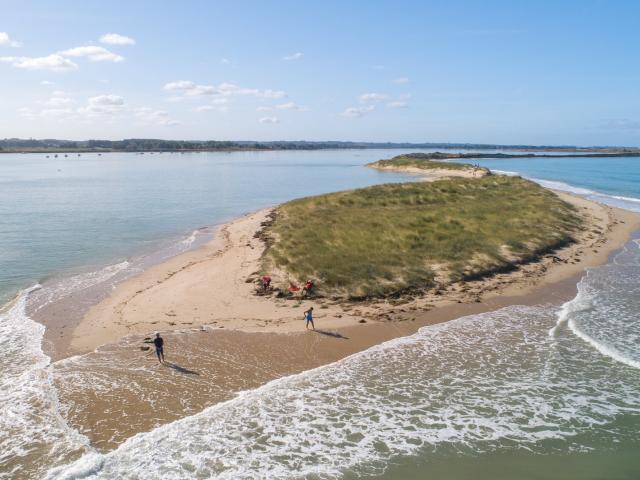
x=308 y=316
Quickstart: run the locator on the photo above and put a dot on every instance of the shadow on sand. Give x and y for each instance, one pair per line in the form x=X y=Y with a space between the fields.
x=180 y=369
x=330 y=334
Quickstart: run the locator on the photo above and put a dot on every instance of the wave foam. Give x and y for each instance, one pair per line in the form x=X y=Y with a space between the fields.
x=603 y=313
x=62 y=288
x=481 y=383
x=562 y=186
x=30 y=422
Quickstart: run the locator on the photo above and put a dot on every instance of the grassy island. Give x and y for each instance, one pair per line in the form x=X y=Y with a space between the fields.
x=395 y=238
x=429 y=162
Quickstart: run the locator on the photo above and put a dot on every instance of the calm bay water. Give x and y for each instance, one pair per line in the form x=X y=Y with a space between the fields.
x=59 y=214
x=523 y=392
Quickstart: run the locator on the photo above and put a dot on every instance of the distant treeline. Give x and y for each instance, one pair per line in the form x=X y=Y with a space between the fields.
x=159 y=145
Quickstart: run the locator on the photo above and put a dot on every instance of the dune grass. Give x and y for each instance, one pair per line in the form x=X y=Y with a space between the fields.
x=425 y=161
x=394 y=238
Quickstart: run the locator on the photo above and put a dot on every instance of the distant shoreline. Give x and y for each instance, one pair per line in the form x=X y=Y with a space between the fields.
x=182 y=146
x=485 y=156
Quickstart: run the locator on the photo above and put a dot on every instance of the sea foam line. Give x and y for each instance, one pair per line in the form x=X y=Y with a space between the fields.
x=604 y=349
x=582 y=302
x=30 y=413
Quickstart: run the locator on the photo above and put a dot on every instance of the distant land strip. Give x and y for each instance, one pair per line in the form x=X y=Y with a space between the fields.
x=16 y=145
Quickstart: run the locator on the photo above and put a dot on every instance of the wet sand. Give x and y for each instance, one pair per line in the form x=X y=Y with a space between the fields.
x=222 y=339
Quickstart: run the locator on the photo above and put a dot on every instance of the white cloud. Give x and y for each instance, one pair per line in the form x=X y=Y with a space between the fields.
x=116 y=39
x=199 y=90
x=217 y=104
x=293 y=56
x=59 y=99
x=103 y=105
x=401 y=80
x=93 y=53
x=46 y=83
x=191 y=89
x=397 y=104
x=53 y=62
x=290 y=106
x=225 y=61
x=372 y=97
x=358 y=111
x=155 y=117
x=233 y=89
x=269 y=120
x=179 y=85
x=57 y=113
x=6 y=41
x=270 y=94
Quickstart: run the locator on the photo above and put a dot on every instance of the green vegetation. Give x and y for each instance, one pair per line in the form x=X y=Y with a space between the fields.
x=395 y=238
x=427 y=162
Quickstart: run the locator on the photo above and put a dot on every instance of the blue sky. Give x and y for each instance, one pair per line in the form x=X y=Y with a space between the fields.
x=483 y=71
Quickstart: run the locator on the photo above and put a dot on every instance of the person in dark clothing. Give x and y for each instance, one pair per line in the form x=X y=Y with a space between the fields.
x=159 y=343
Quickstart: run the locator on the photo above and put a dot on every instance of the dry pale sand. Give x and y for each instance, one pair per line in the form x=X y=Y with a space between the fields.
x=434 y=174
x=208 y=287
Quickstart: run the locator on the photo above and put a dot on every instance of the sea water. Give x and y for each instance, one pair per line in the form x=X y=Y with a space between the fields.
x=524 y=392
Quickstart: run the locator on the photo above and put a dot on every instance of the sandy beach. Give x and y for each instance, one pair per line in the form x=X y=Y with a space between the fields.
x=433 y=174
x=222 y=338
x=209 y=288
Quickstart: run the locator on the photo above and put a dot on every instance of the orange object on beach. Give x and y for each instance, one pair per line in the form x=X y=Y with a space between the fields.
x=293 y=288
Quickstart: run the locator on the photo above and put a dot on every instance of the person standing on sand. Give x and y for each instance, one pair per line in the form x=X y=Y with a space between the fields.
x=159 y=343
x=308 y=316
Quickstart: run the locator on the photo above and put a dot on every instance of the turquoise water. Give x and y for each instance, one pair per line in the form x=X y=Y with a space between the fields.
x=615 y=180
x=537 y=392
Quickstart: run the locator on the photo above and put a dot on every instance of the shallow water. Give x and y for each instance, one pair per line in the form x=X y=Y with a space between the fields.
x=525 y=392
